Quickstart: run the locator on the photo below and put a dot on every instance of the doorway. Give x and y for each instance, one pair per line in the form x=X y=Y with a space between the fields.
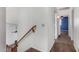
x=63 y=24
x=66 y=17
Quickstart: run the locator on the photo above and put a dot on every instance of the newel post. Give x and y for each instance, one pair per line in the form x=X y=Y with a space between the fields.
x=16 y=43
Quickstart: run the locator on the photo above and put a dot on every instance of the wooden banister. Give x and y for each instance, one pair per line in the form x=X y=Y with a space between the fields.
x=13 y=47
x=32 y=29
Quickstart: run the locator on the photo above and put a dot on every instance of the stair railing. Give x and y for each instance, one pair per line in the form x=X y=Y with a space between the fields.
x=14 y=46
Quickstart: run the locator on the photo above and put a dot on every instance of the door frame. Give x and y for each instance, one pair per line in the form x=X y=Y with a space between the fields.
x=70 y=24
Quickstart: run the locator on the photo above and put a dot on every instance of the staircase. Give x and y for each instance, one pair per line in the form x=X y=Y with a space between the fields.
x=32 y=50
x=13 y=47
x=63 y=44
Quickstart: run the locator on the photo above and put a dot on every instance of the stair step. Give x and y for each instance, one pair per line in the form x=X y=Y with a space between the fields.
x=32 y=50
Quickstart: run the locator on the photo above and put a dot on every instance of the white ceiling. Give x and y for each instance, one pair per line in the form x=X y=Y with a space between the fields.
x=12 y=15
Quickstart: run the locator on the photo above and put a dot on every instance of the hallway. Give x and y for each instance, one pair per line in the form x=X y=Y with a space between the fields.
x=64 y=40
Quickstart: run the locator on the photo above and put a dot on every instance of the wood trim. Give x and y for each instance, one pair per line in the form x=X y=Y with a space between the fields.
x=13 y=47
x=32 y=50
x=32 y=29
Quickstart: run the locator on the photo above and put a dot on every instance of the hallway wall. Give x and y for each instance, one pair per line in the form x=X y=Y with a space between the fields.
x=11 y=36
x=25 y=18
x=51 y=27
x=2 y=30
x=43 y=38
x=76 y=27
x=11 y=23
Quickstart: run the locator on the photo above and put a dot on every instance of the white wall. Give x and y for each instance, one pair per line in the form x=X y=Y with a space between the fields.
x=12 y=15
x=45 y=39
x=71 y=23
x=2 y=30
x=76 y=27
x=25 y=23
x=11 y=23
x=42 y=39
x=11 y=36
x=51 y=27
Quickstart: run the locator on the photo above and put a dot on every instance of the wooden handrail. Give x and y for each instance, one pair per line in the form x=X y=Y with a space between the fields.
x=32 y=29
x=13 y=47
